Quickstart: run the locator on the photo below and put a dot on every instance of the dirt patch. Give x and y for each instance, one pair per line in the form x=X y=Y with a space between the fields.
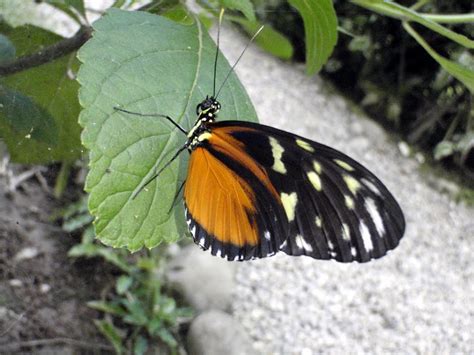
x=43 y=293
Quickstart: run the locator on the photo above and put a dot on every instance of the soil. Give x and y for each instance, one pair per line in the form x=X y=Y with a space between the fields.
x=43 y=292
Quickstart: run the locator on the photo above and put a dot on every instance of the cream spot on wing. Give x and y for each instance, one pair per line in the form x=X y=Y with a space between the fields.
x=343 y=165
x=277 y=152
x=289 y=204
x=305 y=145
x=353 y=251
x=375 y=215
x=349 y=202
x=317 y=166
x=302 y=244
x=365 y=233
x=318 y=221
x=315 y=180
x=204 y=136
x=352 y=184
x=346 y=232
x=330 y=245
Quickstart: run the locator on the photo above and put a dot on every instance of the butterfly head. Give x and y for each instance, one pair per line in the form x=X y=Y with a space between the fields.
x=208 y=109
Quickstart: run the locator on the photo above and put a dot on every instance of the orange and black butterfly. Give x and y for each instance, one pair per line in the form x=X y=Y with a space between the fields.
x=253 y=190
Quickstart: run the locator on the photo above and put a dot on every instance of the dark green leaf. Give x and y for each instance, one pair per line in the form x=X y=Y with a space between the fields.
x=21 y=117
x=147 y=64
x=53 y=91
x=320 y=27
x=7 y=50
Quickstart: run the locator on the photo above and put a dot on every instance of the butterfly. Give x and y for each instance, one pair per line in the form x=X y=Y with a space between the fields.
x=252 y=191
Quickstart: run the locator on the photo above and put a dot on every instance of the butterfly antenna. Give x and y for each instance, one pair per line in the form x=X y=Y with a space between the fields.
x=238 y=59
x=221 y=14
x=154 y=176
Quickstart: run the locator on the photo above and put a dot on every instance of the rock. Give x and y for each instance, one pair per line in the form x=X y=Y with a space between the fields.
x=215 y=333
x=205 y=281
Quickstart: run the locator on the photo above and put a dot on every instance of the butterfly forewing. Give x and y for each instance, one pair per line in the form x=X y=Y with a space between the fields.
x=298 y=196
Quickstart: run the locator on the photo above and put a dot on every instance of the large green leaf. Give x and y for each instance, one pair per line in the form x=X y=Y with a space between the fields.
x=244 y=6
x=45 y=128
x=147 y=64
x=320 y=27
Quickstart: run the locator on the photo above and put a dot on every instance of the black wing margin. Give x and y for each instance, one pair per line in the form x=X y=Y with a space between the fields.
x=336 y=208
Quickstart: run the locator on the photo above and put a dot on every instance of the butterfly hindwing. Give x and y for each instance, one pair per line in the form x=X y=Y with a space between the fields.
x=335 y=208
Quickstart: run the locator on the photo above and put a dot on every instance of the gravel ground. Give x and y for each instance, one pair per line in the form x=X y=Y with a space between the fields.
x=418 y=299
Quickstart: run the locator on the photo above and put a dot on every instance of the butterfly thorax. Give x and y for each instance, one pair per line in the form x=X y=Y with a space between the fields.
x=207 y=113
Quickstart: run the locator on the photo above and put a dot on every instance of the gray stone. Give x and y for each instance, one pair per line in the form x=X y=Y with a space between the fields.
x=217 y=333
x=205 y=281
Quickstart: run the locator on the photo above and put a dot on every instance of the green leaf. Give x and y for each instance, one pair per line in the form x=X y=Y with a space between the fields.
x=69 y=7
x=7 y=50
x=269 y=39
x=443 y=149
x=107 y=307
x=389 y=8
x=244 y=6
x=141 y=345
x=167 y=337
x=179 y=13
x=50 y=93
x=147 y=64
x=460 y=72
x=320 y=27
x=123 y=284
x=111 y=333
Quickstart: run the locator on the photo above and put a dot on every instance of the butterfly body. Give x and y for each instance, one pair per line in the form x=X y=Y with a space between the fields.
x=253 y=190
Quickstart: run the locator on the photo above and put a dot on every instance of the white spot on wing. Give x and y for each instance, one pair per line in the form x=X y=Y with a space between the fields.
x=353 y=251
x=315 y=180
x=277 y=152
x=193 y=231
x=375 y=215
x=289 y=203
x=219 y=253
x=364 y=231
x=330 y=245
x=371 y=186
x=267 y=235
x=302 y=244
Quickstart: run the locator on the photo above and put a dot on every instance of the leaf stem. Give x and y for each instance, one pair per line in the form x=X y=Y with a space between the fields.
x=452 y=18
x=47 y=54
x=61 y=180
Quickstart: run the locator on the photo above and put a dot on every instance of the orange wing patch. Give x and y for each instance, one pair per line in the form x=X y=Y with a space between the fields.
x=219 y=200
